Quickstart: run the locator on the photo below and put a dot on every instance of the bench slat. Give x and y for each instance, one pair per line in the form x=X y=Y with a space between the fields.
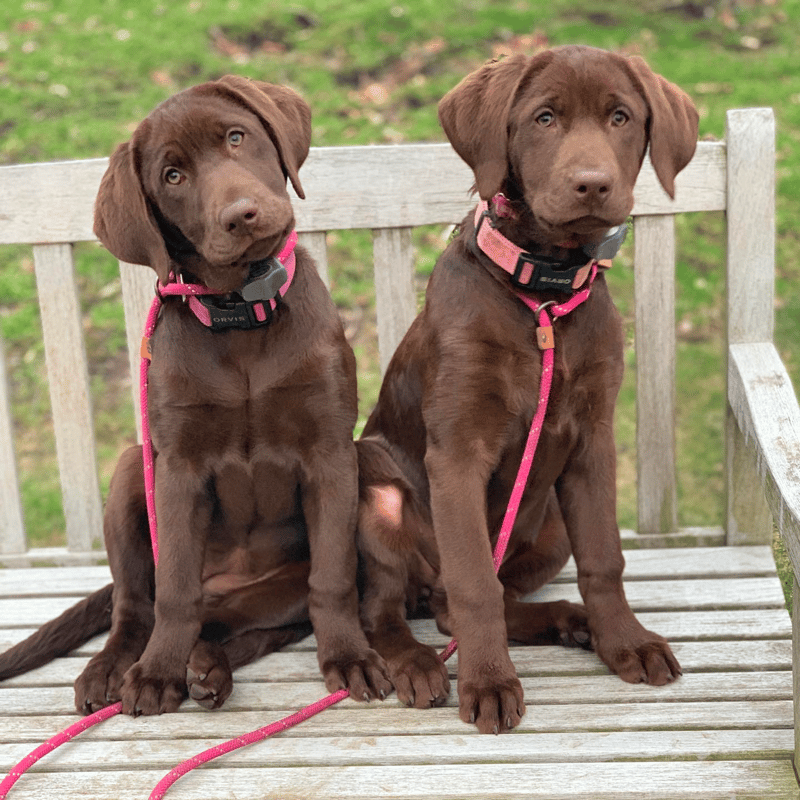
x=12 y=524
x=654 y=288
x=378 y=186
x=683 y=780
x=70 y=399
x=750 y=282
x=395 y=298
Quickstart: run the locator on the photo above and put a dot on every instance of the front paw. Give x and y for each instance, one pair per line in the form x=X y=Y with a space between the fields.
x=149 y=689
x=100 y=683
x=491 y=698
x=420 y=677
x=363 y=673
x=639 y=656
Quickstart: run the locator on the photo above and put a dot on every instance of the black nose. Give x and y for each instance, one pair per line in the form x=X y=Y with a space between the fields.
x=592 y=184
x=240 y=216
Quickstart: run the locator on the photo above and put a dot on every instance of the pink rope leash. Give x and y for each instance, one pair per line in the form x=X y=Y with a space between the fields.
x=510 y=517
x=332 y=699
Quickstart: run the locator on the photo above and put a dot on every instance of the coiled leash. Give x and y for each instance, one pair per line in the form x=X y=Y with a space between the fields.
x=546 y=343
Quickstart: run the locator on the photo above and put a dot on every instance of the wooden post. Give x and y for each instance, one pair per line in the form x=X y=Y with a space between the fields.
x=395 y=297
x=68 y=377
x=12 y=526
x=654 y=288
x=750 y=139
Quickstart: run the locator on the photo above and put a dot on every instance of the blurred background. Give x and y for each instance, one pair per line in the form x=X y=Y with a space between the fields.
x=77 y=76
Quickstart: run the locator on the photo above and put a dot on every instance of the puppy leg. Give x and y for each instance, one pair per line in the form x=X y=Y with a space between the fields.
x=330 y=504
x=130 y=555
x=389 y=551
x=587 y=497
x=531 y=567
x=489 y=691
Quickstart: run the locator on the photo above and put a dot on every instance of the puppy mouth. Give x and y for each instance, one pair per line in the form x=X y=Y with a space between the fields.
x=587 y=229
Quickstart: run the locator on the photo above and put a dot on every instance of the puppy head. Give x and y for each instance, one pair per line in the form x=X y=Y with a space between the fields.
x=480 y=113
x=128 y=219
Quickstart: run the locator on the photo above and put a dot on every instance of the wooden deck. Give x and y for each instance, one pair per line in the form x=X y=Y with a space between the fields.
x=725 y=729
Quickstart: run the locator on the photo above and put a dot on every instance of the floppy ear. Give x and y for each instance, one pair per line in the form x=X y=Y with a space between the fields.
x=122 y=218
x=673 y=123
x=475 y=116
x=285 y=115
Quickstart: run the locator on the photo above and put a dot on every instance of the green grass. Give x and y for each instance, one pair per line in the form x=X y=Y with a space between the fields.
x=77 y=76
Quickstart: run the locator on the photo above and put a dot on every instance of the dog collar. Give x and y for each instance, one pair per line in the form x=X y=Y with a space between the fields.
x=534 y=272
x=252 y=305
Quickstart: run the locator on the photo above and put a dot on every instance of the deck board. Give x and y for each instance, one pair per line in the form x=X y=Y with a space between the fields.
x=724 y=729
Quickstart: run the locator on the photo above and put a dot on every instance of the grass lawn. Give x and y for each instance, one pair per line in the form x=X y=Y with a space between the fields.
x=77 y=76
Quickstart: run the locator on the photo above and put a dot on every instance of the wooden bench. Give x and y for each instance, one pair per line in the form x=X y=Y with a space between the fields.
x=725 y=729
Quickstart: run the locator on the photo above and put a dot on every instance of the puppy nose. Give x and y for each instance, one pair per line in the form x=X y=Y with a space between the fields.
x=592 y=184
x=239 y=216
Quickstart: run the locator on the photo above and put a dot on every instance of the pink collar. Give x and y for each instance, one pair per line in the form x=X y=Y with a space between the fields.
x=529 y=271
x=258 y=296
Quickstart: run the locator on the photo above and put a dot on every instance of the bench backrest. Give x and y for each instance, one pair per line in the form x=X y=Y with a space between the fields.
x=390 y=190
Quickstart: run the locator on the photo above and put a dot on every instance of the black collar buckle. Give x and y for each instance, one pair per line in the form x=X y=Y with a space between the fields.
x=544 y=274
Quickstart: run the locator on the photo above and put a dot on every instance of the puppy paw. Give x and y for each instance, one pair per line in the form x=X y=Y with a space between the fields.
x=209 y=680
x=100 y=683
x=363 y=674
x=493 y=703
x=420 y=677
x=149 y=689
x=643 y=657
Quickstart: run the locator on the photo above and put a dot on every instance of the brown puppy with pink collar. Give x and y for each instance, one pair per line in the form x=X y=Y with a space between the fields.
x=555 y=142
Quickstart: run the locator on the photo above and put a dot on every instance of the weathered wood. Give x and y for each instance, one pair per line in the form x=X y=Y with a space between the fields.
x=381 y=186
x=395 y=298
x=682 y=780
x=654 y=259
x=138 y=291
x=750 y=284
x=522 y=748
x=12 y=524
x=70 y=399
x=191 y=722
x=763 y=401
x=316 y=244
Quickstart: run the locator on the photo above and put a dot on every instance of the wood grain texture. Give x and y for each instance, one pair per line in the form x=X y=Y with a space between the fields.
x=12 y=524
x=70 y=400
x=654 y=290
x=378 y=186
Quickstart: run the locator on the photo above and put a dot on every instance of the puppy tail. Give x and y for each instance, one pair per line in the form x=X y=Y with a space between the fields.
x=58 y=637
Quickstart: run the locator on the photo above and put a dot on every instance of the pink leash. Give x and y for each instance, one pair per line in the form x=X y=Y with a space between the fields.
x=287 y=258
x=546 y=343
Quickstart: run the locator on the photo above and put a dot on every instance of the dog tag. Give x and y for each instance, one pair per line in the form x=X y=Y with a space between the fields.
x=544 y=337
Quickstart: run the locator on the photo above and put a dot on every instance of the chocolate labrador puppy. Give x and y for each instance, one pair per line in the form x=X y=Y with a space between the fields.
x=252 y=406
x=556 y=142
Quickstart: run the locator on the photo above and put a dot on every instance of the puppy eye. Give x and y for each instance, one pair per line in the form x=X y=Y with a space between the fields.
x=235 y=138
x=174 y=176
x=619 y=118
x=546 y=118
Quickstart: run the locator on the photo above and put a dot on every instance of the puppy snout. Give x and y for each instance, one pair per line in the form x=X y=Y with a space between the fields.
x=592 y=185
x=240 y=217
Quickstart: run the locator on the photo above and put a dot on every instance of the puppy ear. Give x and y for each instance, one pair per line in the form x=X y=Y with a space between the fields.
x=285 y=115
x=123 y=221
x=475 y=117
x=672 y=126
